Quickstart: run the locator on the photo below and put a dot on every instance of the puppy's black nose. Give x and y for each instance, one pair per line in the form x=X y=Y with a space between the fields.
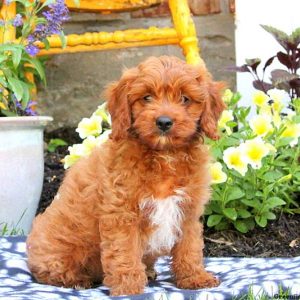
x=164 y=123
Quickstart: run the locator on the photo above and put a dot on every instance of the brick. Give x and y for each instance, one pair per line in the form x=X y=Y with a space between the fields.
x=161 y=10
x=204 y=7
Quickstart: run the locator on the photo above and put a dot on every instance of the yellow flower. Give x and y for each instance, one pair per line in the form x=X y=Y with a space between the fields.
x=254 y=151
x=261 y=125
x=91 y=126
x=217 y=174
x=103 y=113
x=227 y=96
x=292 y=131
x=260 y=98
x=233 y=158
x=226 y=116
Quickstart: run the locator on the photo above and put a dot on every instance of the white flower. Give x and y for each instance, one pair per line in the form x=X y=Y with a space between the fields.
x=226 y=116
x=278 y=97
x=90 y=126
x=292 y=131
x=227 y=96
x=260 y=98
x=76 y=152
x=261 y=125
x=233 y=158
x=217 y=174
x=103 y=137
x=254 y=151
x=103 y=113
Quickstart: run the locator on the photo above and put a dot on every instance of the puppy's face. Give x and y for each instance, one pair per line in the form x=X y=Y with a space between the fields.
x=165 y=103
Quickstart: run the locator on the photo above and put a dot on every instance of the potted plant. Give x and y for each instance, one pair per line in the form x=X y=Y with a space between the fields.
x=21 y=129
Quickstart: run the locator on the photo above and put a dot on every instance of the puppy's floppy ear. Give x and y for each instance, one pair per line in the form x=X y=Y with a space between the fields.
x=118 y=104
x=213 y=108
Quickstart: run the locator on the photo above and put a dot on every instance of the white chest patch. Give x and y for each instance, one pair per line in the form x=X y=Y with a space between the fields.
x=166 y=215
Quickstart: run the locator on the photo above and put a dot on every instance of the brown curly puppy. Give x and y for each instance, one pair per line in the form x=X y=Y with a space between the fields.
x=141 y=194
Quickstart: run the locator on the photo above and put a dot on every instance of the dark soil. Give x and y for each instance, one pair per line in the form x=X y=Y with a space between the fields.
x=281 y=238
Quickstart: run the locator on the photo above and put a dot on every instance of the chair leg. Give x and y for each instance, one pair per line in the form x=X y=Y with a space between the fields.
x=185 y=28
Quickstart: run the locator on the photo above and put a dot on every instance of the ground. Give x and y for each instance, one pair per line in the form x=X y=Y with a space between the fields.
x=281 y=238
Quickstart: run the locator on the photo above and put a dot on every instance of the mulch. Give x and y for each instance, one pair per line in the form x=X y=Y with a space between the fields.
x=281 y=237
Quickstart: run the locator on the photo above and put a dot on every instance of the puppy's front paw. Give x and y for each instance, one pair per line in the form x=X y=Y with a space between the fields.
x=131 y=283
x=198 y=281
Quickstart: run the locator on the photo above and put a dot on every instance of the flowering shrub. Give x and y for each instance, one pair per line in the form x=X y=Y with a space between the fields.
x=34 y=22
x=256 y=169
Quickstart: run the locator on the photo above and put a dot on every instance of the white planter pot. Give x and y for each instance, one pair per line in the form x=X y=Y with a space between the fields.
x=21 y=169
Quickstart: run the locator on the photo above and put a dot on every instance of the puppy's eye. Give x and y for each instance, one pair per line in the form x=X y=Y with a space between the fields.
x=185 y=99
x=148 y=98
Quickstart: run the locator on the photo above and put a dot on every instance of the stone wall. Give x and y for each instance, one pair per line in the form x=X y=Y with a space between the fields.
x=75 y=81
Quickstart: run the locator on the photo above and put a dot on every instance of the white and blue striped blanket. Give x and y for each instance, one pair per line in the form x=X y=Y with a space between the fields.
x=237 y=275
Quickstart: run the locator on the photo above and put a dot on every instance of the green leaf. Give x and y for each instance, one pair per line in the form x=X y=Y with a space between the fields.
x=274 y=202
x=214 y=220
x=262 y=221
x=223 y=225
x=217 y=153
x=216 y=207
x=243 y=213
x=38 y=67
x=26 y=29
x=3 y=58
x=272 y=176
x=230 y=141
x=16 y=86
x=63 y=39
x=26 y=94
x=284 y=141
x=252 y=203
x=46 y=44
x=234 y=193
x=268 y=189
x=241 y=226
x=281 y=37
x=297 y=175
x=270 y=216
x=208 y=211
x=230 y=213
x=296 y=119
x=10 y=47
x=16 y=57
x=55 y=143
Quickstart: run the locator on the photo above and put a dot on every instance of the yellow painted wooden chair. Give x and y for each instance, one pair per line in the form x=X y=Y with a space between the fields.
x=182 y=34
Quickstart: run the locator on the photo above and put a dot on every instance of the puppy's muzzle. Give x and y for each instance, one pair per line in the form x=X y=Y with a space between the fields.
x=164 y=123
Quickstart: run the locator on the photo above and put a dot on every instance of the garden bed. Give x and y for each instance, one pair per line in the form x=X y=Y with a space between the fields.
x=281 y=238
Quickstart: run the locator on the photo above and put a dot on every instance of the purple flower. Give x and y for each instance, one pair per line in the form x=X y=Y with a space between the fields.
x=28 y=111
x=2 y=23
x=56 y=14
x=32 y=49
x=18 y=21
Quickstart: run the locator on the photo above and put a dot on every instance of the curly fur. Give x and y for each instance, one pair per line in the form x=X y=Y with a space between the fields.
x=141 y=194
